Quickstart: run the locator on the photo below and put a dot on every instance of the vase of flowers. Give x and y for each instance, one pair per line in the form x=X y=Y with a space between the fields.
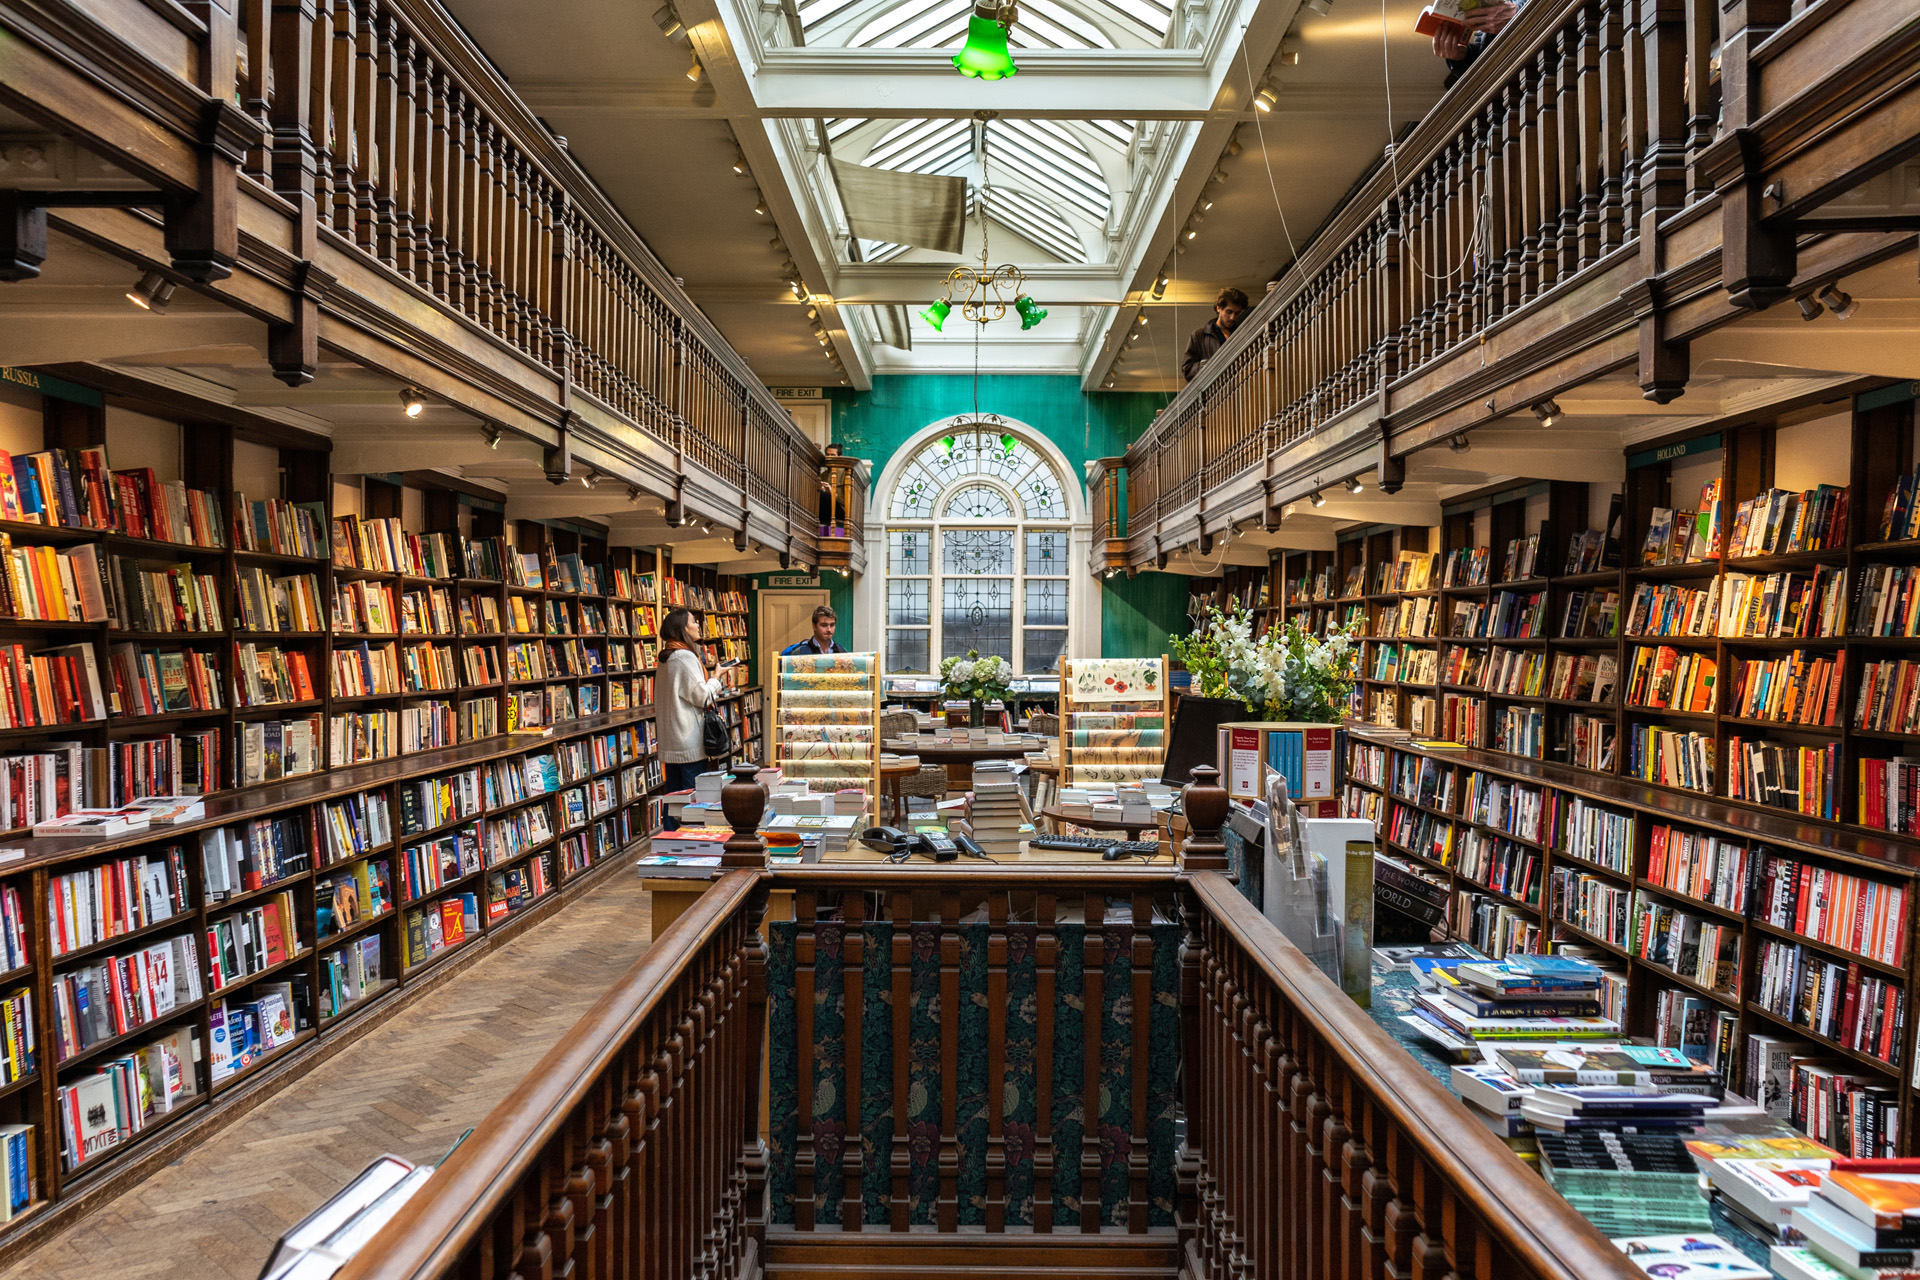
x=1286 y=674
x=979 y=680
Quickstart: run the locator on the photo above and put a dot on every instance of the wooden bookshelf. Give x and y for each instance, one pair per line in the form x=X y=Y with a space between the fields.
x=1865 y=451
x=611 y=754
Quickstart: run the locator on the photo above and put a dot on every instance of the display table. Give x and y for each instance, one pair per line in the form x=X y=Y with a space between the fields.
x=1133 y=829
x=960 y=757
x=890 y=777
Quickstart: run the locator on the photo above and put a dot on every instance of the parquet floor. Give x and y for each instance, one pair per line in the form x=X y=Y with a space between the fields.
x=410 y=1086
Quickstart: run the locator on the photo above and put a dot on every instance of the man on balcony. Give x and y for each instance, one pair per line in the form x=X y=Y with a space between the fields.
x=1228 y=308
x=1460 y=45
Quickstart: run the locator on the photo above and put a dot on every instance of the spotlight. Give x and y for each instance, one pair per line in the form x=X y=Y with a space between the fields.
x=777 y=245
x=492 y=434
x=1031 y=312
x=1205 y=204
x=1141 y=318
x=694 y=73
x=669 y=22
x=1317 y=498
x=1809 y=309
x=1320 y=6
x=1458 y=443
x=1234 y=148
x=413 y=402
x=590 y=479
x=1160 y=285
x=936 y=315
x=152 y=293
x=1289 y=53
x=1191 y=233
x=799 y=288
x=633 y=495
x=1134 y=336
x=739 y=157
x=1266 y=98
x=1354 y=486
x=1219 y=175
x=1548 y=412
x=1841 y=304
x=760 y=206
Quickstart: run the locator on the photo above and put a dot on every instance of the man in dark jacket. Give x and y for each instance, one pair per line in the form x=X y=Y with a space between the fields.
x=1211 y=336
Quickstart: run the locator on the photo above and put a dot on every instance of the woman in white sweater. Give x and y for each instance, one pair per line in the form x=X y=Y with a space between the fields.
x=682 y=690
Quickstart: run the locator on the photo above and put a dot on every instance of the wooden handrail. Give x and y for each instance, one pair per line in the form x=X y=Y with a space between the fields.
x=1369 y=1153
x=494 y=1197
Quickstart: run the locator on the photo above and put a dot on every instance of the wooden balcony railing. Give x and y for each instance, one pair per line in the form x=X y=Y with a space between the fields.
x=1108 y=493
x=1552 y=214
x=988 y=1069
x=359 y=167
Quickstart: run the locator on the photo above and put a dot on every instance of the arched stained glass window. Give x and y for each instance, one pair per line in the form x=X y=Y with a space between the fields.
x=977 y=551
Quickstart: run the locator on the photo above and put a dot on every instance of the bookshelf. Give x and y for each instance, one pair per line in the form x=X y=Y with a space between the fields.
x=827 y=716
x=508 y=805
x=718 y=602
x=1531 y=852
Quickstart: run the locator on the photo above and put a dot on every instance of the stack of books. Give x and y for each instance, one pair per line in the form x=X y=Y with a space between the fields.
x=1524 y=998
x=1627 y=1184
x=1760 y=1181
x=996 y=812
x=1863 y=1222
x=1695 y=1256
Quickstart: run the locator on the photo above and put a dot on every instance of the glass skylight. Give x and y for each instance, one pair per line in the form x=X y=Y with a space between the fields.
x=929 y=24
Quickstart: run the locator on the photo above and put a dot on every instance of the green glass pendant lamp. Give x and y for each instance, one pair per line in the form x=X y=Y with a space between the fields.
x=985 y=56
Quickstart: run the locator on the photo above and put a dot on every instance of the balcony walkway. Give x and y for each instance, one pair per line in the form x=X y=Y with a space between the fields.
x=410 y=1086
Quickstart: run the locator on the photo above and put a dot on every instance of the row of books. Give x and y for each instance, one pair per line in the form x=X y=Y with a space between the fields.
x=349 y=974
x=1593 y=742
x=114 y=995
x=1857 y=913
x=1702 y=949
x=352 y=825
x=426 y=867
x=242 y=1032
x=281 y=527
x=249 y=941
x=439 y=925
x=167 y=598
x=1591 y=613
x=514 y=889
x=1583 y=677
x=1802 y=780
x=120 y=896
x=358 y=892
x=267 y=675
x=1781 y=522
x=1685 y=537
x=1665 y=679
x=1704 y=867
x=1582 y=829
x=1857 y=1009
x=289 y=603
x=100 y=1111
x=1800 y=688
x=1900 y=516
x=1671 y=757
x=381 y=545
x=154 y=682
x=1888 y=791
x=17 y=1036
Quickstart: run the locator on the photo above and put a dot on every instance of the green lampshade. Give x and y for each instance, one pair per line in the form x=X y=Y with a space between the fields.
x=985 y=56
x=936 y=315
x=1031 y=312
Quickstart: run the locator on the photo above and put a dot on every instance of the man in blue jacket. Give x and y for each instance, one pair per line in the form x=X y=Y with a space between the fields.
x=821 y=641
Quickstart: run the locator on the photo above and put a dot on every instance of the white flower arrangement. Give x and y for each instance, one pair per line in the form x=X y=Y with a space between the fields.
x=1285 y=674
x=975 y=678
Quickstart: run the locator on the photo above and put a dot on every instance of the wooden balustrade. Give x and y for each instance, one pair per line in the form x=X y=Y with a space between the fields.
x=977 y=1048
x=979 y=1053
x=1321 y=1151
x=632 y=1149
x=1569 y=141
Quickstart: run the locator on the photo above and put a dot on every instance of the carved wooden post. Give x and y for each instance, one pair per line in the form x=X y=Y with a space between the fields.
x=1664 y=365
x=1204 y=801
x=203 y=224
x=744 y=800
x=1757 y=262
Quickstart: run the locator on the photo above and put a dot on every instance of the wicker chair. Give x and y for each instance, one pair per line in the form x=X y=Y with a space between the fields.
x=1044 y=723
x=928 y=784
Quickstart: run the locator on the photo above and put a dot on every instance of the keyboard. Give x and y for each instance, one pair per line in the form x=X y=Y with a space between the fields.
x=1095 y=844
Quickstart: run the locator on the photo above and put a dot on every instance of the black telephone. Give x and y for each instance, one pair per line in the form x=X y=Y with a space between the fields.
x=890 y=840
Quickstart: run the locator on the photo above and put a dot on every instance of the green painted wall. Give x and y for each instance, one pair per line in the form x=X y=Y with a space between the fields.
x=1136 y=614
x=839 y=599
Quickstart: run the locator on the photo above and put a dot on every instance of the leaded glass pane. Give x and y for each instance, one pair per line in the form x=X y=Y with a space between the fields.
x=1043 y=647
x=976 y=551
x=979 y=502
x=977 y=613
x=907 y=601
x=1041 y=496
x=913 y=496
x=1046 y=602
x=907 y=649
x=907 y=550
x=1047 y=551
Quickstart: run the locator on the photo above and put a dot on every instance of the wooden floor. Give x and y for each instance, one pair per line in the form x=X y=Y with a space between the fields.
x=410 y=1086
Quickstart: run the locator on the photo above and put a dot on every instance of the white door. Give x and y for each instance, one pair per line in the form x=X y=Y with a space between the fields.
x=785 y=617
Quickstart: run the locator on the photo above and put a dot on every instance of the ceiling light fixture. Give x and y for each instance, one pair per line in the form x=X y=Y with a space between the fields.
x=1191 y=233
x=633 y=495
x=985 y=56
x=1264 y=99
x=1458 y=443
x=1234 y=148
x=1289 y=53
x=492 y=435
x=1548 y=412
x=1841 y=304
x=413 y=402
x=590 y=479
x=760 y=206
x=1809 y=309
x=152 y=293
x=695 y=73
x=1355 y=486
x=739 y=156
x=669 y=22
x=1319 y=6
x=1317 y=498
x=777 y=244
x=1141 y=318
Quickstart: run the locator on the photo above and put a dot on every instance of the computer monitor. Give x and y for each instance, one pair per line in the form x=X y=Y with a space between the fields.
x=1195 y=737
